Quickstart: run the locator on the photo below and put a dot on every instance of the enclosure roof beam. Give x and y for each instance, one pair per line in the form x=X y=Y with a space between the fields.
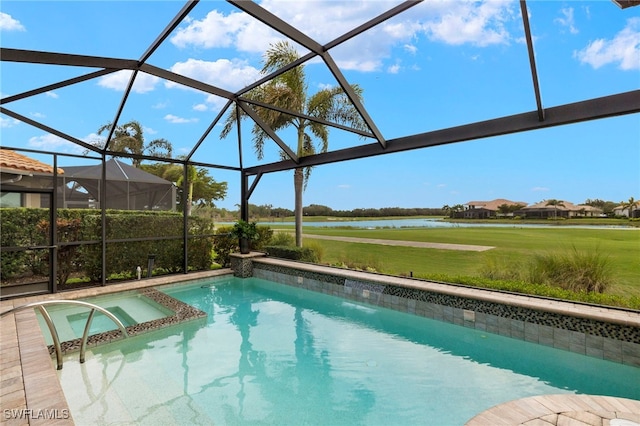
x=269 y=131
x=123 y=102
x=532 y=58
x=55 y=86
x=168 y=30
x=271 y=20
x=373 y=22
x=186 y=81
x=307 y=117
x=49 y=58
x=209 y=129
x=592 y=109
x=48 y=129
x=351 y=94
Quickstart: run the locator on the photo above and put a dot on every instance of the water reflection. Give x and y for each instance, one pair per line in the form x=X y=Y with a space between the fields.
x=429 y=223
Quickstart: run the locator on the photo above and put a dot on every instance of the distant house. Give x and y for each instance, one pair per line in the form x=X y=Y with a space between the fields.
x=624 y=211
x=18 y=173
x=489 y=209
x=567 y=210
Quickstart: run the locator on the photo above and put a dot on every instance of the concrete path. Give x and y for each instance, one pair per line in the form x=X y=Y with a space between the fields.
x=419 y=244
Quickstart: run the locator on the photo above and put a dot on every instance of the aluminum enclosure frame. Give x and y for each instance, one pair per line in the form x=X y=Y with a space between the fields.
x=591 y=109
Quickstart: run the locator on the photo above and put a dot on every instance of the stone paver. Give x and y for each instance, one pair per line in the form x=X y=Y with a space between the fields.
x=562 y=410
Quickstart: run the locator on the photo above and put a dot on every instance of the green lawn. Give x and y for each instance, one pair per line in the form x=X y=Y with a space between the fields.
x=621 y=247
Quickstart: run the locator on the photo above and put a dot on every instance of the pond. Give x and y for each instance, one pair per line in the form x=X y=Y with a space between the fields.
x=429 y=223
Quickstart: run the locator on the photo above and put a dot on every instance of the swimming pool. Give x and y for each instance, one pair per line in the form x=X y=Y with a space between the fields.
x=272 y=354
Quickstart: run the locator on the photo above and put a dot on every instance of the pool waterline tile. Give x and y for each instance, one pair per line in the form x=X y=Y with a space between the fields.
x=555 y=323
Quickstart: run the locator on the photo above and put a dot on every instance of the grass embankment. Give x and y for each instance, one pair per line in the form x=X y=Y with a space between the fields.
x=513 y=246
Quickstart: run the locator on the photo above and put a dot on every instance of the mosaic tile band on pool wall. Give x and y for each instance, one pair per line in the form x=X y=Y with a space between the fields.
x=614 y=342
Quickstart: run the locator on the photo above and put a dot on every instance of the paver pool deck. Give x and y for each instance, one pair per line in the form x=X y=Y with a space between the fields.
x=31 y=394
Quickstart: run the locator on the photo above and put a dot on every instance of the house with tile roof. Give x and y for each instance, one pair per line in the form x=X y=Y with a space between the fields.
x=623 y=210
x=489 y=209
x=565 y=209
x=19 y=173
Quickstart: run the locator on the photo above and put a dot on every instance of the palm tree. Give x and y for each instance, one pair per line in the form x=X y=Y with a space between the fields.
x=629 y=206
x=129 y=138
x=289 y=91
x=201 y=188
x=555 y=203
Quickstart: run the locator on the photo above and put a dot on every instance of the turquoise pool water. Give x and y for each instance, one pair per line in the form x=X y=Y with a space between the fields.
x=270 y=354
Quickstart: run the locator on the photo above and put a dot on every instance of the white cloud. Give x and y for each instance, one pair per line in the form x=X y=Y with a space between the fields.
x=567 y=20
x=149 y=130
x=214 y=30
x=227 y=74
x=476 y=23
x=52 y=95
x=5 y=123
x=38 y=115
x=410 y=48
x=54 y=143
x=394 y=69
x=7 y=23
x=480 y=23
x=623 y=49
x=213 y=102
x=200 y=107
x=160 y=105
x=179 y=120
x=119 y=80
x=344 y=186
x=539 y=189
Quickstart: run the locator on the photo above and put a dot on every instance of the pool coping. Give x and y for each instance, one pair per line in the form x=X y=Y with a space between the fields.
x=625 y=317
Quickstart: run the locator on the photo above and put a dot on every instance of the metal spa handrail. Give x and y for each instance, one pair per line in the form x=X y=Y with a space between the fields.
x=54 y=331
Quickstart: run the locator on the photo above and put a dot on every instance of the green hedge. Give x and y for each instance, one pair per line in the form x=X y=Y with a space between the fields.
x=29 y=227
x=304 y=254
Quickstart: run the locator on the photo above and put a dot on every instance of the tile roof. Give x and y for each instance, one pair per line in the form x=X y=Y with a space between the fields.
x=10 y=159
x=494 y=204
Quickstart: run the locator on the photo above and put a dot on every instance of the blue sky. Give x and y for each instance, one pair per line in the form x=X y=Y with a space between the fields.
x=437 y=65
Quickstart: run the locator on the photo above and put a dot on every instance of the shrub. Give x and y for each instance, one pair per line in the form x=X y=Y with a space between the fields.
x=265 y=234
x=282 y=239
x=304 y=254
x=316 y=248
x=575 y=271
x=223 y=244
x=19 y=229
x=68 y=231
